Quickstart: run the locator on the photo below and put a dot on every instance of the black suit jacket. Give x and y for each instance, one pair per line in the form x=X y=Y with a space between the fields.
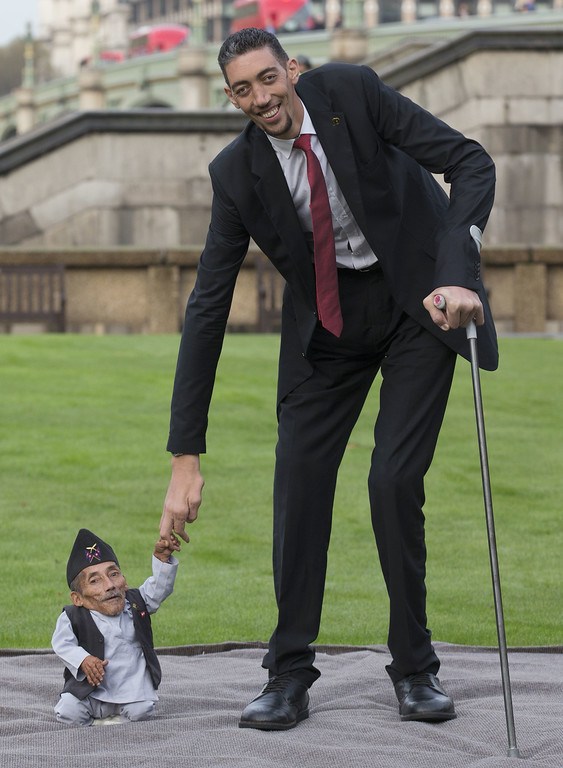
x=383 y=150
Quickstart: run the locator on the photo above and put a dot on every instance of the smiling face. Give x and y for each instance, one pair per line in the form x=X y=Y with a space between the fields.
x=264 y=89
x=102 y=589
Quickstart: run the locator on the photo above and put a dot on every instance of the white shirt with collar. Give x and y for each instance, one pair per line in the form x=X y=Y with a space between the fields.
x=352 y=248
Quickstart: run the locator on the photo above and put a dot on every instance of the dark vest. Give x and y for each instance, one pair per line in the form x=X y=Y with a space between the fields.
x=91 y=639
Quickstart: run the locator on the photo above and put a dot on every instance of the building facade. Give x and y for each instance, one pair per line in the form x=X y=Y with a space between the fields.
x=121 y=197
x=75 y=30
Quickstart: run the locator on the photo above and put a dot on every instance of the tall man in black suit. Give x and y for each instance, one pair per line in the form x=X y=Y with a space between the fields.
x=399 y=241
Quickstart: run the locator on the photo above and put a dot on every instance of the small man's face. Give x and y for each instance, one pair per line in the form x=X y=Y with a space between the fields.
x=102 y=589
x=265 y=91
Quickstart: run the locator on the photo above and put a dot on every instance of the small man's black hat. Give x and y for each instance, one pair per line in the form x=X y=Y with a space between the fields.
x=88 y=549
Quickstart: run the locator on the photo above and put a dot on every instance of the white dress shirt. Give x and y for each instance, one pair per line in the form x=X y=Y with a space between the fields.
x=352 y=249
x=126 y=677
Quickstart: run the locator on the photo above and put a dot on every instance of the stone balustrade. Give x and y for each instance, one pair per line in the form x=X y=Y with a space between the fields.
x=133 y=290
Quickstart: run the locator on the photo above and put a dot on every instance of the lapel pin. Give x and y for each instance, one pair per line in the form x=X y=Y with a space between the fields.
x=336 y=121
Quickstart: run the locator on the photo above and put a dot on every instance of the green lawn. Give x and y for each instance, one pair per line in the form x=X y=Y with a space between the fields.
x=83 y=424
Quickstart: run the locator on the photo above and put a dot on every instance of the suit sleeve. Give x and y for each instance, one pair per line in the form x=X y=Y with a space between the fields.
x=440 y=149
x=205 y=321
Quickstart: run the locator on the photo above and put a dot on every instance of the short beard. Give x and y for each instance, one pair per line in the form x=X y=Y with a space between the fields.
x=286 y=128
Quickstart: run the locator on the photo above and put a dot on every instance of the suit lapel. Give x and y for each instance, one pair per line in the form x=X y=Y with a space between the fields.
x=271 y=186
x=273 y=192
x=335 y=139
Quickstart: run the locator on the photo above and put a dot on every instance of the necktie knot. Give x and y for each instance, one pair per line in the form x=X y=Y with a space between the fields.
x=303 y=142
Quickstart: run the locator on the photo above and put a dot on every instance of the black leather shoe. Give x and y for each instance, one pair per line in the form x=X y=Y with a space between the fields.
x=282 y=703
x=421 y=697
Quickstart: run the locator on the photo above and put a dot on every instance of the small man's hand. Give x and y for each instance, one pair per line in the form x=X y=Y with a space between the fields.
x=94 y=669
x=163 y=548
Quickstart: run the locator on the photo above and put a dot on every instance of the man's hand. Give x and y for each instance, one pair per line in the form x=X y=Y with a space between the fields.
x=183 y=498
x=94 y=669
x=462 y=306
x=163 y=548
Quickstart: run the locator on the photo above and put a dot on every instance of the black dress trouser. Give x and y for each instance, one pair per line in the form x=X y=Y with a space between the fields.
x=315 y=422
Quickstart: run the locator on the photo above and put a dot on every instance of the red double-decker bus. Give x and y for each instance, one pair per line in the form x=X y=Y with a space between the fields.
x=274 y=15
x=147 y=40
x=157 y=39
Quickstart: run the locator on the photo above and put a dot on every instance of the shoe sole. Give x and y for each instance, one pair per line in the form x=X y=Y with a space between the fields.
x=273 y=726
x=430 y=717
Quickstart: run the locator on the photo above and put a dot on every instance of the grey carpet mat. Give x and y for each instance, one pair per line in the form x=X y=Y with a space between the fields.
x=354 y=720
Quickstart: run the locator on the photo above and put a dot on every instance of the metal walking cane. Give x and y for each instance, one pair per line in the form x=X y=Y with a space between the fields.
x=440 y=303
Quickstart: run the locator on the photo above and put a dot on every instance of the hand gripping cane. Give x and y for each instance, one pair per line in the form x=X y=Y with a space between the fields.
x=440 y=303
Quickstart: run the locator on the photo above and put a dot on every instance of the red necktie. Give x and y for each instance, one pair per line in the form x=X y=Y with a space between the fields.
x=328 y=302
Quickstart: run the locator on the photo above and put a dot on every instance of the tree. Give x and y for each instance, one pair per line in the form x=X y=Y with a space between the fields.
x=12 y=61
x=11 y=65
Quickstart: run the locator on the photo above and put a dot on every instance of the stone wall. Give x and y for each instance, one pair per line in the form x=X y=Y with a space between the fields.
x=148 y=188
x=130 y=290
x=107 y=181
x=525 y=288
x=511 y=100
x=133 y=290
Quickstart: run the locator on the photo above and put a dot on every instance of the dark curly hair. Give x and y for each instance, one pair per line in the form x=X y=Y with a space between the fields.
x=249 y=39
